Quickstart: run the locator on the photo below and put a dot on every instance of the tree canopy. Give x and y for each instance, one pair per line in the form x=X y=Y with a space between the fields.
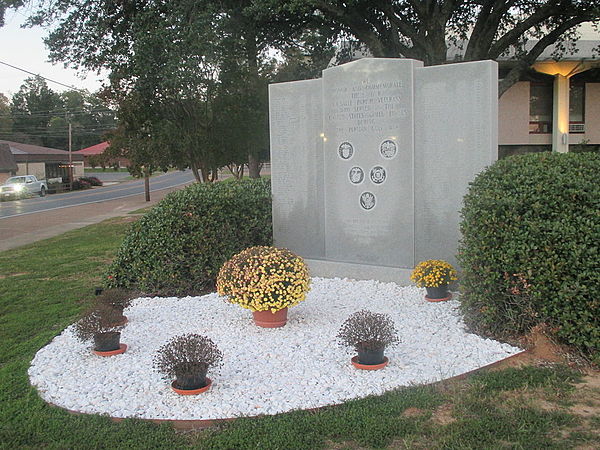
x=465 y=30
x=38 y=115
x=196 y=72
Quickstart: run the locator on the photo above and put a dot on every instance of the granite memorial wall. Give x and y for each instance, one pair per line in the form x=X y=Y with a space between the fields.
x=369 y=164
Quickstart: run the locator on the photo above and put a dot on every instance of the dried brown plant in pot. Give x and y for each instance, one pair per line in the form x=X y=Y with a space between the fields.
x=369 y=334
x=102 y=324
x=187 y=358
x=116 y=298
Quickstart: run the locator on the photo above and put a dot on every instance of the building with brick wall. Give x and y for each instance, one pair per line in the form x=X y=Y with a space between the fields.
x=43 y=162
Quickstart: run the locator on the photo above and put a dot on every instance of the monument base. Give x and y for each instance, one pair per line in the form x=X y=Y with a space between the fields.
x=332 y=269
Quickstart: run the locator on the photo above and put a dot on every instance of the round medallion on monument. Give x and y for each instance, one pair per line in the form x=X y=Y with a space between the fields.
x=356 y=175
x=346 y=151
x=367 y=201
x=388 y=149
x=378 y=175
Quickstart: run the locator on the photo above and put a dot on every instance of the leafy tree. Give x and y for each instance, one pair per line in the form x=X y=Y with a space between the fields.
x=201 y=67
x=431 y=29
x=41 y=116
x=8 y=4
x=6 y=122
x=164 y=90
x=308 y=58
x=33 y=106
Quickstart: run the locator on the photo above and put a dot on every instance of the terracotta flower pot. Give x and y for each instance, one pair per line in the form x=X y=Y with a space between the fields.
x=267 y=319
x=358 y=365
x=122 y=348
x=192 y=391
x=438 y=294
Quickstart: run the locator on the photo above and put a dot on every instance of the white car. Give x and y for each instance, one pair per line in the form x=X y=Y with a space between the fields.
x=23 y=186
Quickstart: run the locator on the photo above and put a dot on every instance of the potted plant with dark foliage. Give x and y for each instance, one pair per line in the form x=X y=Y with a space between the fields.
x=102 y=325
x=187 y=358
x=435 y=275
x=369 y=334
x=115 y=298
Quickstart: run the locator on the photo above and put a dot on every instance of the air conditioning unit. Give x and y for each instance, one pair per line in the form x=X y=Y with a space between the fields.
x=577 y=128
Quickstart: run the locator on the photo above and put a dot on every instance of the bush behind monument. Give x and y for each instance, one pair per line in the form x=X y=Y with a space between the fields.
x=529 y=249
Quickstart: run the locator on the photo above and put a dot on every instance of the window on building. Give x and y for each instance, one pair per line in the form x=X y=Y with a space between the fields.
x=577 y=108
x=57 y=170
x=540 y=108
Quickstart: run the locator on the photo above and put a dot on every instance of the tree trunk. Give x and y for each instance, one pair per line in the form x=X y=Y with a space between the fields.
x=205 y=172
x=253 y=166
x=195 y=171
x=147 y=183
x=252 y=58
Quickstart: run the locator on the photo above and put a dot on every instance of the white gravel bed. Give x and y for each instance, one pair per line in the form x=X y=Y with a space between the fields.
x=265 y=371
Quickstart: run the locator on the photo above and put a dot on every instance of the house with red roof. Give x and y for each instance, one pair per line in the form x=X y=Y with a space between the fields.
x=94 y=157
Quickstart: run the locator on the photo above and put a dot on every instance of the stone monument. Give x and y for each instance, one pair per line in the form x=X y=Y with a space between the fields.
x=370 y=163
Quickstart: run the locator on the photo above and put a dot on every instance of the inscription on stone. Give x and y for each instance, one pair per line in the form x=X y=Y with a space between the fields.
x=367 y=106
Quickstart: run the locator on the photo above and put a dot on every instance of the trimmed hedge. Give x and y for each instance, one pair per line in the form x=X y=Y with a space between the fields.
x=93 y=181
x=80 y=184
x=179 y=246
x=529 y=251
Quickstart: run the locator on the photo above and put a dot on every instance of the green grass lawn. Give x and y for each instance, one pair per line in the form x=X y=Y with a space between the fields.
x=43 y=286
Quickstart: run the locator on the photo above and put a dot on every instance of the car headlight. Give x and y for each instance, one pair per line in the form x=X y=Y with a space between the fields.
x=19 y=188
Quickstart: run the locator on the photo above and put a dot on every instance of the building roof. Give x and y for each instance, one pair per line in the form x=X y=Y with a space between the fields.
x=29 y=153
x=97 y=149
x=586 y=50
x=7 y=160
x=580 y=50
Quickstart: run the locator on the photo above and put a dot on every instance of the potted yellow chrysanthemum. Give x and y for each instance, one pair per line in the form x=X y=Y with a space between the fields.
x=435 y=275
x=265 y=280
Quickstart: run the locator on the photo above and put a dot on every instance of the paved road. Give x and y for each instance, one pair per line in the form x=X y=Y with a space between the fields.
x=110 y=176
x=57 y=201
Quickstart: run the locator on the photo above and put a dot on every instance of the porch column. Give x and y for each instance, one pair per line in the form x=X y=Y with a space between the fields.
x=562 y=71
x=560 y=119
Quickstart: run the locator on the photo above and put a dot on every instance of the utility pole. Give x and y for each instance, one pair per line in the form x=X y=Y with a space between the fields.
x=70 y=160
x=146 y=182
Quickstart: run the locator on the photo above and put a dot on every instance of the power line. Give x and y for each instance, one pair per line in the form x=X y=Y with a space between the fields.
x=77 y=125
x=97 y=115
x=47 y=79
x=56 y=134
x=59 y=113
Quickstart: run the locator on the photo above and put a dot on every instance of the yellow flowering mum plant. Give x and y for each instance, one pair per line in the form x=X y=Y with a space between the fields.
x=433 y=273
x=264 y=278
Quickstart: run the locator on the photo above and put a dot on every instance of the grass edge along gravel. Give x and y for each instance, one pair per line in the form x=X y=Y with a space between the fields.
x=42 y=288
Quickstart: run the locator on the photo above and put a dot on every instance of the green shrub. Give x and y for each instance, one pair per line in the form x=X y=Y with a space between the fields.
x=529 y=249
x=179 y=246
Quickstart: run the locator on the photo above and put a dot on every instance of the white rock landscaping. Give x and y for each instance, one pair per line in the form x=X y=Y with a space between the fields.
x=265 y=371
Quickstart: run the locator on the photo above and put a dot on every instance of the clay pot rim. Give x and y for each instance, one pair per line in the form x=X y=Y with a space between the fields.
x=192 y=391
x=358 y=365
x=122 y=348
x=435 y=300
x=271 y=324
